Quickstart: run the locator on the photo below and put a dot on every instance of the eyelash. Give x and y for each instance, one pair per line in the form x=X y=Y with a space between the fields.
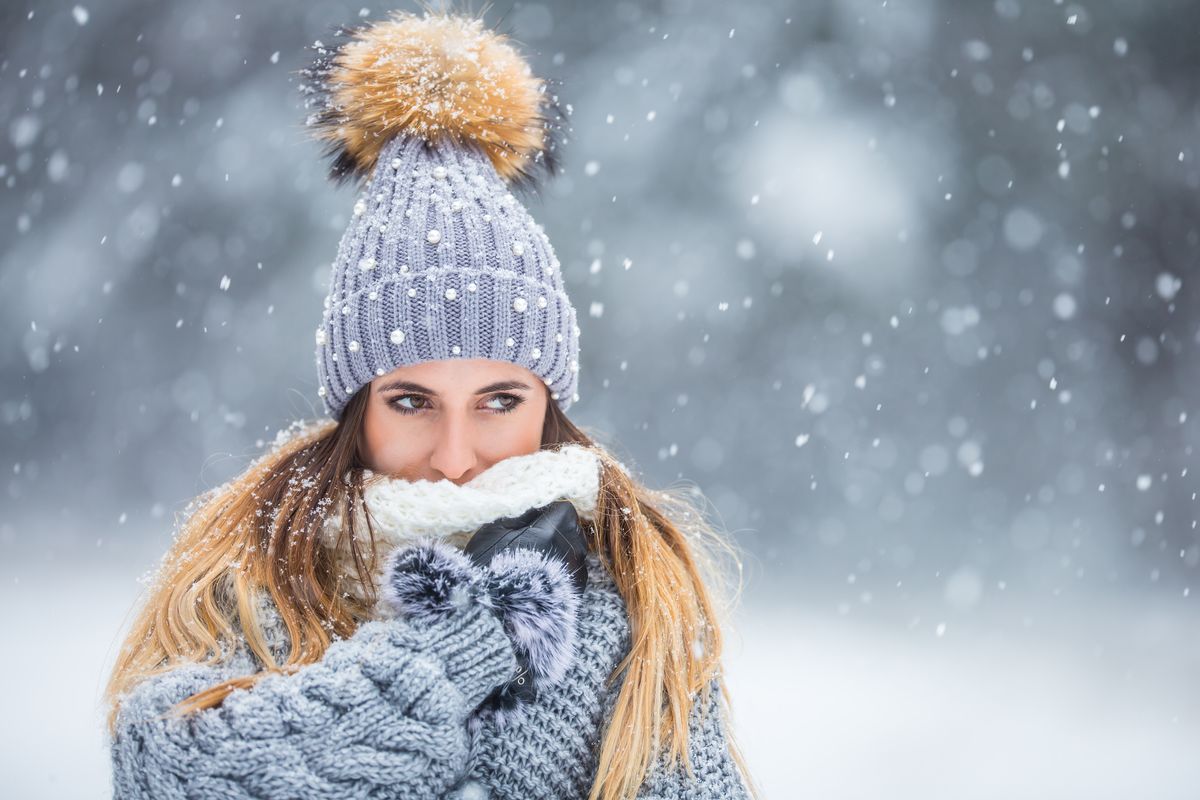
x=516 y=401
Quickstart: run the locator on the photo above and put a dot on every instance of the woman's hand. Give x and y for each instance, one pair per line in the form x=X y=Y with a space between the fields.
x=529 y=589
x=553 y=531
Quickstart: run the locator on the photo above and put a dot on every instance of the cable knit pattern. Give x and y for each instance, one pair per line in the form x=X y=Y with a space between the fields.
x=383 y=710
x=387 y=713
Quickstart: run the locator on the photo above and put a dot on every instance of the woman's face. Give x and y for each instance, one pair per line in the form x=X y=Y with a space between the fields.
x=452 y=419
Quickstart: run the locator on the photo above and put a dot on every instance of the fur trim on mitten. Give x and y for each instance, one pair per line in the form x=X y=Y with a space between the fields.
x=534 y=595
x=430 y=580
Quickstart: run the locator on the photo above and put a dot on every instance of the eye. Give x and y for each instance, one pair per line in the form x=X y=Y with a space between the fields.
x=508 y=402
x=398 y=403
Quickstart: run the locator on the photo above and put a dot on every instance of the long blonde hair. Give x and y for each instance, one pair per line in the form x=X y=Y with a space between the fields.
x=262 y=531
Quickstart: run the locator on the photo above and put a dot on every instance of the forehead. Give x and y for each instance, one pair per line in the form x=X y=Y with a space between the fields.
x=460 y=374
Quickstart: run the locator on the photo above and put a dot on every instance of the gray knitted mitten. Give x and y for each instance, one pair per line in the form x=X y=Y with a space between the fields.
x=531 y=591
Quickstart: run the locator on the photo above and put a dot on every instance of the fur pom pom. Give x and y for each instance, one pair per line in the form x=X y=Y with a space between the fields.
x=430 y=580
x=441 y=75
x=538 y=602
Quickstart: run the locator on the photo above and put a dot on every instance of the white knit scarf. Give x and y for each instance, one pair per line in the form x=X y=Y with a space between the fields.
x=403 y=511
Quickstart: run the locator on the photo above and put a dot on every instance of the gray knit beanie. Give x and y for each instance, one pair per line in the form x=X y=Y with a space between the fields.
x=438 y=117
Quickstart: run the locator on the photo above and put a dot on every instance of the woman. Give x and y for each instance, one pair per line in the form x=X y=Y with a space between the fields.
x=447 y=589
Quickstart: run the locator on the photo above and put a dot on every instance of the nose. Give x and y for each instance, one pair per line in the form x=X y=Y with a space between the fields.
x=454 y=453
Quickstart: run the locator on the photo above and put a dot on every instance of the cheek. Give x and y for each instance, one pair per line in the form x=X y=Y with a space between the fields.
x=519 y=432
x=385 y=441
x=531 y=424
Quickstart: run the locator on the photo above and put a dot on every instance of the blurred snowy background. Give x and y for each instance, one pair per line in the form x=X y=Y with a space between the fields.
x=908 y=289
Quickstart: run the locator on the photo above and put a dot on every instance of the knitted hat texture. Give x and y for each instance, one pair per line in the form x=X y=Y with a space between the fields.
x=440 y=120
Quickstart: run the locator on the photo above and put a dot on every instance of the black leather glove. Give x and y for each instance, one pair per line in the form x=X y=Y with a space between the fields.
x=553 y=529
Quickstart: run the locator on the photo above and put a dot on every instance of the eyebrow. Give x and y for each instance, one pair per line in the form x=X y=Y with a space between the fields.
x=409 y=386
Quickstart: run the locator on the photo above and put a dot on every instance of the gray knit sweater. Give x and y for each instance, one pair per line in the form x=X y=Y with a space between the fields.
x=405 y=707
